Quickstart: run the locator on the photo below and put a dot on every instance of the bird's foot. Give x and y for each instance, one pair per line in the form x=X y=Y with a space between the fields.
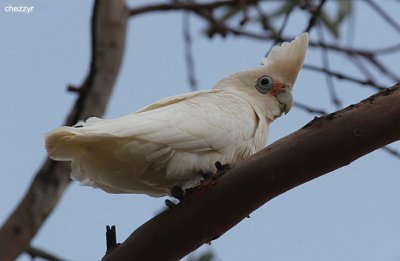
x=211 y=180
x=170 y=204
x=221 y=168
x=177 y=192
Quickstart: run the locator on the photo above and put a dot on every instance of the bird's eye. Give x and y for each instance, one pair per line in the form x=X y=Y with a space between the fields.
x=264 y=84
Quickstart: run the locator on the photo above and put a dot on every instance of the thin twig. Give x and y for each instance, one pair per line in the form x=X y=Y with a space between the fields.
x=342 y=76
x=284 y=23
x=310 y=109
x=351 y=29
x=315 y=16
x=235 y=31
x=384 y=15
x=243 y=5
x=391 y=151
x=111 y=239
x=198 y=7
x=356 y=61
x=388 y=49
x=37 y=252
x=280 y=31
x=216 y=26
x=184 y=6
x=187 y=45
x=374 y=61
x=270 y=36
x=325 y=63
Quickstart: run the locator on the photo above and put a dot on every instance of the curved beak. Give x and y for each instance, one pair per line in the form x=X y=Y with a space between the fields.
x=285 y=98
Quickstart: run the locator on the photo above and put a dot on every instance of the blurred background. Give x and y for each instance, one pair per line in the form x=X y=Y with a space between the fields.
x=350 y=214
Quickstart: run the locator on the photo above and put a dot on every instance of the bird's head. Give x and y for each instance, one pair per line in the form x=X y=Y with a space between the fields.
x=271 y=83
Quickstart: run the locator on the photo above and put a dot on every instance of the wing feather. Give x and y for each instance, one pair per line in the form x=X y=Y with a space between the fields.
x=105 y=152
x=199 y=122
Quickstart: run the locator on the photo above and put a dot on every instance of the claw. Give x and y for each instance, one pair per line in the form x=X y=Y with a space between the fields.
x=221 y=167
x=169 y=203
x=177 y=192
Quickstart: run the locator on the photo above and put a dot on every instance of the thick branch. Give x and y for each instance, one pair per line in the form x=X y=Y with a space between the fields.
x=109 y=28
x=323 y=145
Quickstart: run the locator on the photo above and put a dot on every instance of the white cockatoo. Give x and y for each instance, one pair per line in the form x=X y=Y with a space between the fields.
x=174 y=141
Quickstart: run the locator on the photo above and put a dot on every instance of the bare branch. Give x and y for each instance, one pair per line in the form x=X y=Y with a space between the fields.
x=36 y=252
x=392 y=152
x=205 y=10
x=384 y=15
x=174 y=6
x=325 y=63
x=187 y=44
x=356 y=61
x=388 y=49
x=342 y=76
x=108 y=40
x=374 y=61
x=280 y=31
x=111 y=239
x=315 y=16
x=345 y=135
x=309 y=109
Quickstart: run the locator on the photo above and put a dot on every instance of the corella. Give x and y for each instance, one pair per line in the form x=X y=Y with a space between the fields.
x=175 y=141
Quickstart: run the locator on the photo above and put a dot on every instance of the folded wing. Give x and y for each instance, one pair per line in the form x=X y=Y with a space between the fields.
x=133 y=154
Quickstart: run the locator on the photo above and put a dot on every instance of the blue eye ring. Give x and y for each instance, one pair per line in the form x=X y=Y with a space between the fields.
x=264 y=84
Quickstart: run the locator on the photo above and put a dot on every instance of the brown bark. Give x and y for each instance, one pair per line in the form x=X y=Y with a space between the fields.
x=108 y=40
x=323 y=145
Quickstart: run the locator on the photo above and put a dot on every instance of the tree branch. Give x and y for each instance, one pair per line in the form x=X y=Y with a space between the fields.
x=108 y=40
x=384 y=15
x=218 y=26
x=325 y=63
x=315 y=16
x=36 y=252
x=208 y=212
x=309 y=109
x=342 y=76
x=188 y=6
x=187 y=47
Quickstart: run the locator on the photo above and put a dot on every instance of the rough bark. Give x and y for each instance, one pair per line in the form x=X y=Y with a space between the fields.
x=108 y=39
x=321 y=146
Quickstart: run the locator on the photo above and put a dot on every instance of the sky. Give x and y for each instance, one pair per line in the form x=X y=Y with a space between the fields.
x=350 y=214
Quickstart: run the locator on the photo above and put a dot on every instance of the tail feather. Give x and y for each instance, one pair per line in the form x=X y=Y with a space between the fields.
x=61 y=144
x=69 y=143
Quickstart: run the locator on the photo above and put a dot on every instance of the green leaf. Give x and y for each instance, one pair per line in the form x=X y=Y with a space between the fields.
x=286 y=7
x=207 y=256
x=231 y=12
x=345 y=10
x=329 y=24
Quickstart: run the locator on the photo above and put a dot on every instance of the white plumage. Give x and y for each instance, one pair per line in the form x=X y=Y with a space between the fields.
x=173 y=141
